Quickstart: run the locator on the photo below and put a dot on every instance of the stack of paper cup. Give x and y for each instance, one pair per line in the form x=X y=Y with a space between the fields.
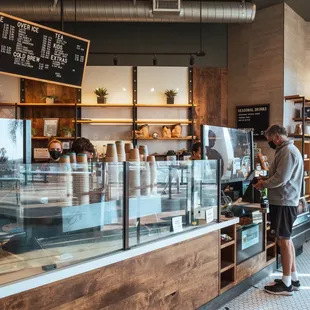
x=81 y=180
x=145 y=179
x=153 y=174
x=111 y=173
x=134 y=173
x=120 y=148
x=128 y=147
x=111 y=155
x=66 y=179
x=143 y=152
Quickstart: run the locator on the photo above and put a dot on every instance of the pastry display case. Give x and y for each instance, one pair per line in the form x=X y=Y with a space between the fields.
x=56 y=215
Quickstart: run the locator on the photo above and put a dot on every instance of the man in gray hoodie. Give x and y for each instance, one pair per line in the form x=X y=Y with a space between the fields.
x=284 y=185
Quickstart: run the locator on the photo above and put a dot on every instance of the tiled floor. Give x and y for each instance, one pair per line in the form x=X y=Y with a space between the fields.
x=257 y=299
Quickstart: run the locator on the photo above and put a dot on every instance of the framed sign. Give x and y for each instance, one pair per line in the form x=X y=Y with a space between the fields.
x=50 y=127
x=255 y=118
x=41 y=53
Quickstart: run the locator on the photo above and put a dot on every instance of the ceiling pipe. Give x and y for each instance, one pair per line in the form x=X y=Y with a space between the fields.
x=126 y=11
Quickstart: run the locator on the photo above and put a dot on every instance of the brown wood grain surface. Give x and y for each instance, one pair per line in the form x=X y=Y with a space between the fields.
x=250 y=267
x=182 y=276
x=211 y=97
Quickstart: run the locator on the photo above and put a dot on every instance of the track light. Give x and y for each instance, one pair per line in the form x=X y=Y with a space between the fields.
x=155 y=61
x=192 y=60
x=115 y=60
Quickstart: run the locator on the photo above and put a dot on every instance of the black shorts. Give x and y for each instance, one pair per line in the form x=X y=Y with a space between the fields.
x=282 y=219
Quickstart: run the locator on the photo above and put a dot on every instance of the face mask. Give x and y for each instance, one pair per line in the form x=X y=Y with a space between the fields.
x=272 y=144
x=55 y=154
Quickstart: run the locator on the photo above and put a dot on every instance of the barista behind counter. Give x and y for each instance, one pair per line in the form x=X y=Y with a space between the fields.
x=79 y=146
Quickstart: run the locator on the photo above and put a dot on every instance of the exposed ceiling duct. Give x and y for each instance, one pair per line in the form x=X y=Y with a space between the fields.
x=127 y=11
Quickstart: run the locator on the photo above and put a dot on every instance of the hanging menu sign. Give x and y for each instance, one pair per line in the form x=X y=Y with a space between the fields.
x=255 y=118
x=40 y=53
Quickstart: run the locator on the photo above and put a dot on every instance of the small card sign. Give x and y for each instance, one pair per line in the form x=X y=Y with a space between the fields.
x=41 y=153
x=209 y=215
x=177 y=225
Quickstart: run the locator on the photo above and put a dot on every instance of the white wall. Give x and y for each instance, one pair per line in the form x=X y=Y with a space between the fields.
x=9 y=93
x=152 y=83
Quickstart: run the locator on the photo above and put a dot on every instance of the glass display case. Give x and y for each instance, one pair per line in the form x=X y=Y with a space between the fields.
x=55 y=215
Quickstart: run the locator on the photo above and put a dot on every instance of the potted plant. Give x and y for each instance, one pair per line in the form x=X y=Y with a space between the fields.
x=33 y=132
x=170 y=93
x=67 y=132
x=102 y=94
x=50 y=99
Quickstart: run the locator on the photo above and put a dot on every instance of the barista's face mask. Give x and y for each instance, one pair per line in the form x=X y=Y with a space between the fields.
x=55 y=154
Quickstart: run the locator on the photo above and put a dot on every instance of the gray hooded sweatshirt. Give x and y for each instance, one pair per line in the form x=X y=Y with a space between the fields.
x=286 y=175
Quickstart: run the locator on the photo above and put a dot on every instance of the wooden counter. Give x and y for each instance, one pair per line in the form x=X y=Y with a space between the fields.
x=183 y=274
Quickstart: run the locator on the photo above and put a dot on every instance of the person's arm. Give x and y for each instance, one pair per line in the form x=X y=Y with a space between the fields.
x=283 y=173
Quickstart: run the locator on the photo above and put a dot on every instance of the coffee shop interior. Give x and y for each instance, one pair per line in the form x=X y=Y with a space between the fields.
x=130 y=135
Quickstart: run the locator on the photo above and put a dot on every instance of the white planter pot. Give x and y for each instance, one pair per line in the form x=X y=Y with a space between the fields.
x=49 y=100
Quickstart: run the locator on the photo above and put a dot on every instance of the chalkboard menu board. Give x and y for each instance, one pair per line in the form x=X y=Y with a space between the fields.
x=41 y=53
x=254 y=117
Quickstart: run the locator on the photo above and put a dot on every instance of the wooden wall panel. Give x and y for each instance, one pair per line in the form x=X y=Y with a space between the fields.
x=210 y=96
x=256 y=65
x=182 y=276
x=35 y=92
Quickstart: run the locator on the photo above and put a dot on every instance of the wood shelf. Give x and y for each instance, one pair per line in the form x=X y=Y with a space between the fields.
x=105 y=105
x=168 y=139
x=226 y=265
x=298 y=119
x=291 y=135
x=306 y=159
x=300 y=100
x=7 y=104
x=164 y=121
x=104 y=121
x=227 y=244
x=33 y=105
x=226 y=285
x=270 y=244
x=47 y=138
x=146 y=105
x=292 y=97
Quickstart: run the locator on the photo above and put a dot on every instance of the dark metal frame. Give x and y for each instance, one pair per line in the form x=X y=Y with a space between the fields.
x=126 y=206
x=191 y=127
x=134 y=102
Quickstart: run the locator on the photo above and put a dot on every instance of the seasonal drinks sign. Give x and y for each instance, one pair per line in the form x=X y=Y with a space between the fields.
x=255 y=118
x=41 y=53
